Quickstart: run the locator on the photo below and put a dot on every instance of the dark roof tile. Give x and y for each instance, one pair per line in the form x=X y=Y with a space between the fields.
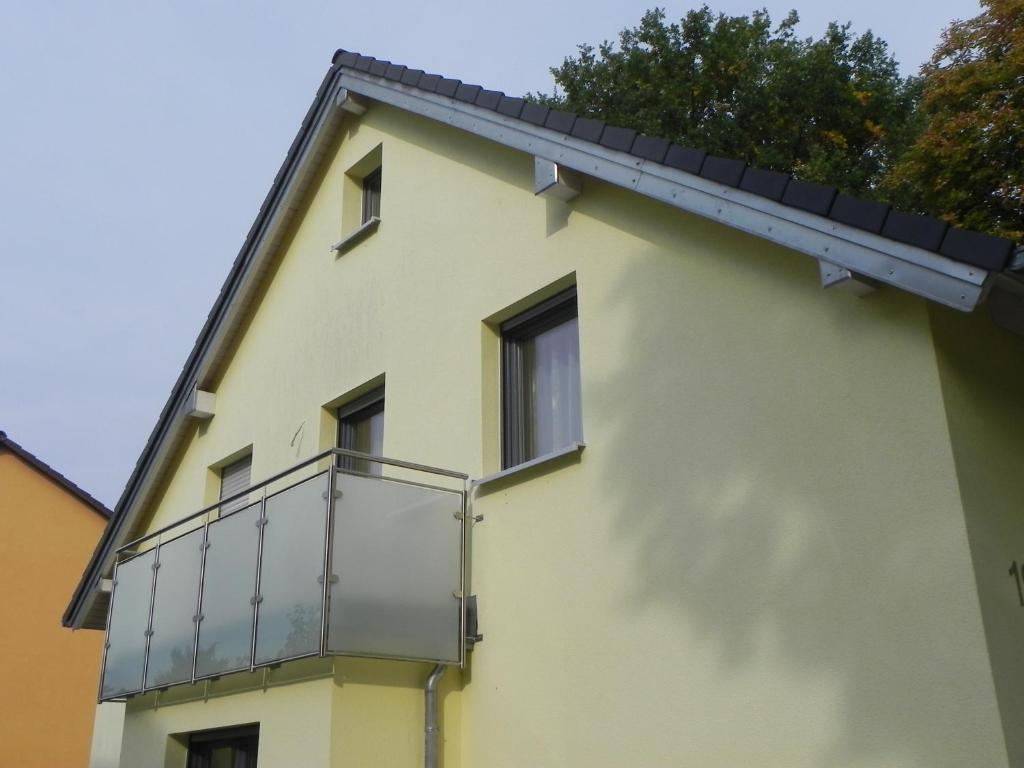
x=985 y=251
x=650 y=148
x=429 y=83
x=808 y=196
x=447 y=87
x=394 y=72
x=363 y=63
x=534 y=113
x=558 y=120
x=511 y=106
x=488 y=99
x=863 y=214
x=587 y=129
x=346 y=59
x=467 y=93
x=618 y=138
x=378 y=67
x=724 y=170
x=412 y=77
x=685 y=158
x=770 y=184
x=923 y=231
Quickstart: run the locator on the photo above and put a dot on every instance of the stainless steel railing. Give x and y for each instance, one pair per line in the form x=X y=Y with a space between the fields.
x=327 y=561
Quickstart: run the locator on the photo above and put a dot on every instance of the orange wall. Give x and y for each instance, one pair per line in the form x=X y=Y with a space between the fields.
x=50 y=673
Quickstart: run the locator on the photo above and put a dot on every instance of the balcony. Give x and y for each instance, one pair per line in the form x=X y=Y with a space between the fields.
x=376 y=568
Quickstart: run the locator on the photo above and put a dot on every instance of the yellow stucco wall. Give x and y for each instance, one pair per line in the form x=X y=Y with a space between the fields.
x=50 y=674
x=983 y=380
x=761 y=556
x=293 y=712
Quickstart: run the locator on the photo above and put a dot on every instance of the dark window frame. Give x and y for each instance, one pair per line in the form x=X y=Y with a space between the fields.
x=202 y=743
x=371 y=196
x=514 y=332
x=349 y=415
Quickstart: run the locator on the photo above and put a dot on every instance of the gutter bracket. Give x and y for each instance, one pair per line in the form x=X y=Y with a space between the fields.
x=834 y=276
x=349 y=102
x=552 y=180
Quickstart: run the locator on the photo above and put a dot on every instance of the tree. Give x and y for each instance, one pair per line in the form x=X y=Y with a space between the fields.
x=967 y=165
x=833 y=110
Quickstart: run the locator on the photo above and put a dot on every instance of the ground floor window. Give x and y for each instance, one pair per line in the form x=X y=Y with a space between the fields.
x=224 y=748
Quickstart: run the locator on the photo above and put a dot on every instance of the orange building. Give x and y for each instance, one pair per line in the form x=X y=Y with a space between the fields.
x=48 y=530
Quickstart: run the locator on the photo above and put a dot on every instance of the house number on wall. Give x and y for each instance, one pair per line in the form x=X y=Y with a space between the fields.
x=1016 y=573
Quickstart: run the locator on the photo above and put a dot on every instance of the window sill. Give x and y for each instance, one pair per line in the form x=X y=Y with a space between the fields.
x=349 y=242
x=555 y=457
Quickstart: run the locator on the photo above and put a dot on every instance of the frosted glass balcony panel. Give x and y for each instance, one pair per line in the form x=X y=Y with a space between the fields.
x=174 y=605
x=229 y=584
x=129 y=620
x=291 y=575
x=397 y=550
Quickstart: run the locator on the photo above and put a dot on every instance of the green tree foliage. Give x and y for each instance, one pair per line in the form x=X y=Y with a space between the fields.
x=968 y=163
x=833 y=110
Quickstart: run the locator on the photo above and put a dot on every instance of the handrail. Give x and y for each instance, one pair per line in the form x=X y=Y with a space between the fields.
x=274 y=478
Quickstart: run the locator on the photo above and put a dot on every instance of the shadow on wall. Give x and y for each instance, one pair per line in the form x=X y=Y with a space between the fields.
x=796 y=513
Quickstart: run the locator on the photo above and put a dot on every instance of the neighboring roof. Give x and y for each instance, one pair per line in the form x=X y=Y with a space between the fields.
x=944 y=264
x=57 y=477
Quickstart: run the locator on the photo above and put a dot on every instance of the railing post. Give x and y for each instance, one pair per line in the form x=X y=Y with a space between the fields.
x=328 y=554
x=198 y=618
x=256 y=598
x=149 y=622
x=106 y=630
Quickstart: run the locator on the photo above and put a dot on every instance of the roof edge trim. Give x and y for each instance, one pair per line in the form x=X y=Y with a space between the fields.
x=912 y=269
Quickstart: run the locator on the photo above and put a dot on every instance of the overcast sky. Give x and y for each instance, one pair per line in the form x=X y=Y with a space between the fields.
x=138 y=139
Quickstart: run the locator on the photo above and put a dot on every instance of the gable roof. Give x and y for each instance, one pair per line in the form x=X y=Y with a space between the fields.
x=916 y=253
x=34 y=461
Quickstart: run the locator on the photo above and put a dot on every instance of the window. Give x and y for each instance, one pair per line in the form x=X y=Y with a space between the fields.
x=371 y=196
x=235 y=478
x=224 y=748
x=540 y=380
x=361 y=428
x=360 y=201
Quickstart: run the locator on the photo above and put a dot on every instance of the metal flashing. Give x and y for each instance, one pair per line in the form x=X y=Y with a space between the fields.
x=905 y=266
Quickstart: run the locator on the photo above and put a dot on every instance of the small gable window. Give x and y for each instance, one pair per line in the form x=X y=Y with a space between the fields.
x=361 y=200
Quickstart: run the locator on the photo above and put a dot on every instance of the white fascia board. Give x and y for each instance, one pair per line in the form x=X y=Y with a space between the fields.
x=907 y=267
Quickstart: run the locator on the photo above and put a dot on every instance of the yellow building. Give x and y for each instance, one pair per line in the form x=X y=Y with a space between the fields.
x=731 y=465
x=50 y=527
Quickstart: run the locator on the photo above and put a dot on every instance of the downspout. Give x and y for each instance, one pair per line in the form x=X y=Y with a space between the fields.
x=432 y=730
